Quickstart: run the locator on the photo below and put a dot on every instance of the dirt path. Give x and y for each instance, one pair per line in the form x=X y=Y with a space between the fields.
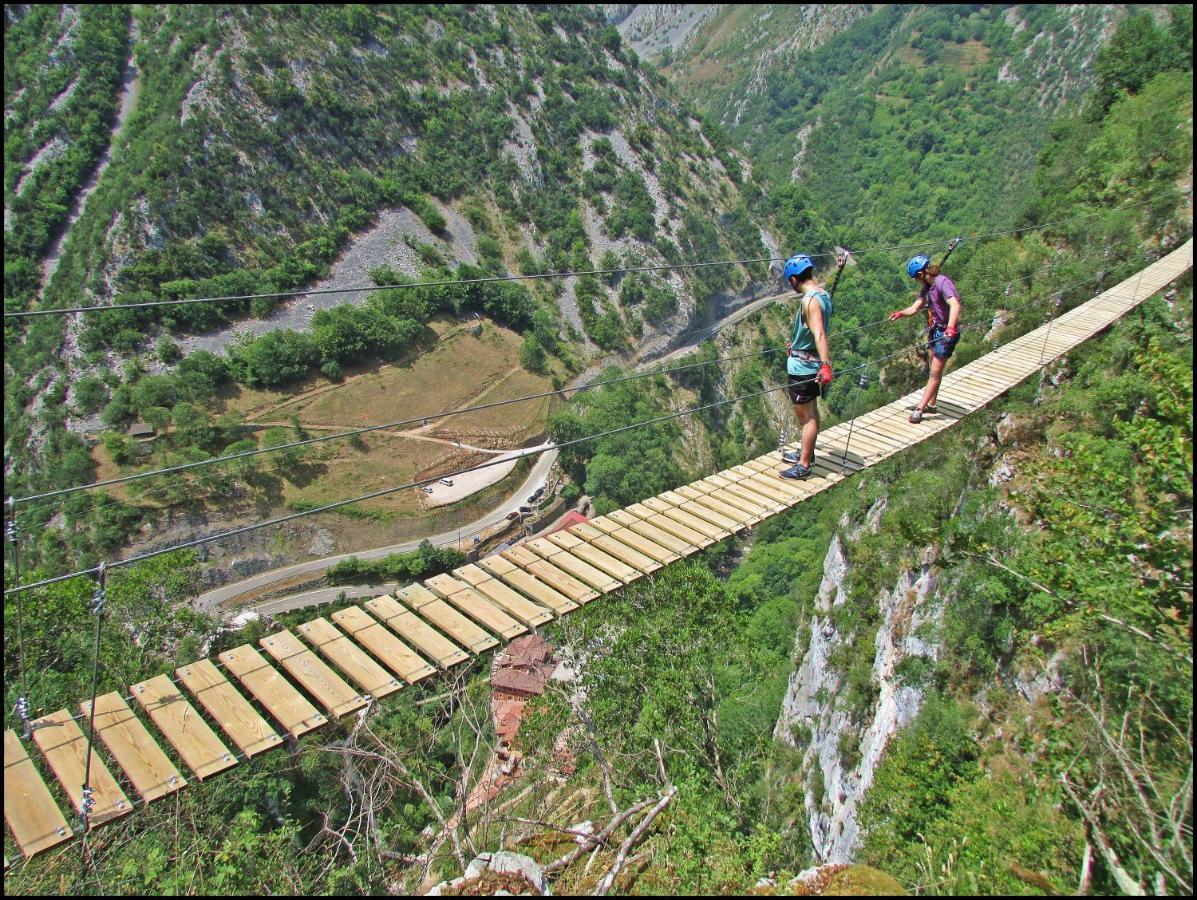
x=414 y=435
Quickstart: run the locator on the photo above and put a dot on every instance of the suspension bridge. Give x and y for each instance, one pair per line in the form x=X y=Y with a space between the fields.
x=212 y=715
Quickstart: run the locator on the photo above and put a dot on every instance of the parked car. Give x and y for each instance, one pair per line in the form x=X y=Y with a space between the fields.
x=536 y=495
x=426 y=489
x=447 y=482
x=512 y=516
x=526 y=510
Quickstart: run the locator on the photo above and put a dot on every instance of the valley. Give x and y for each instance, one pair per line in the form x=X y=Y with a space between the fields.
x=950 y=661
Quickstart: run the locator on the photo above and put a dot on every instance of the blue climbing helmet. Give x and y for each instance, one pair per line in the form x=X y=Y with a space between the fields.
x=796 y=265
x=917 y=264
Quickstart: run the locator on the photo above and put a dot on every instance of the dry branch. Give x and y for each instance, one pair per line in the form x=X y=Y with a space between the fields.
x=594 y=841
x=607 y=880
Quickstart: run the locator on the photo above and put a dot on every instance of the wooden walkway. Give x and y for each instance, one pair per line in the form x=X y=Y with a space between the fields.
x=212 y=716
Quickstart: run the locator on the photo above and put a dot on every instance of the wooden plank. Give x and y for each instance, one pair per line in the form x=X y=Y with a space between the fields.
x=388 y=649
x=496 y=564
x=831 y=460
x=695 y=523
x=658 y=504
x=639 y=510
x=538 y=590
x=664 y=523
x=591 y=531
x=330 y=689
x=349 y=658
x=766 y=483
x=730 y=506
x=604 y=562
x=559 y=580
x=621 y=517
x=797 y=490
x=746 y=490
x=483 y=579
x=445 y=585
x=435 y=610
x=972 y=391
x=626 y=552
x=477 y=607
x=149 y=770
x=289 y=707
x=604 y=524
x=746 y=499
x=730 y=521
x=65 y=747
x=36 y=822
x=610 y=563
x=563 y=539
x=661 y=537
x=579 y=569
x=228 y=707
x=415 y=595
x=863 y=442
x=520 y=555
x=182 y=725
x=420 y=634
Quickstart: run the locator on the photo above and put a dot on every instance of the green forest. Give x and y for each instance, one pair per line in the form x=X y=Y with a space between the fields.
x=1076 y=568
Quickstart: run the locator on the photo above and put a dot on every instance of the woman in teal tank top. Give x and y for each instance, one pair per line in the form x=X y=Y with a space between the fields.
x=809 y=361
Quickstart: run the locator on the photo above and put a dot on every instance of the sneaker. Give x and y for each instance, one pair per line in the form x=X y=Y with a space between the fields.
x=931 y=408
x=793 y=457
x=798 y=471
x=916 y=417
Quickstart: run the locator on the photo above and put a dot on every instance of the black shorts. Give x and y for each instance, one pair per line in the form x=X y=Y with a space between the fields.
x=803 y=389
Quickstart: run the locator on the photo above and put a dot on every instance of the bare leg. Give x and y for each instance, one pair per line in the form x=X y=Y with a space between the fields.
x=931 y=394
x=808 y=418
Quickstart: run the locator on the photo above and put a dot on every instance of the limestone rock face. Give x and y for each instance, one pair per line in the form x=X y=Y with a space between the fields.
x=813 y=719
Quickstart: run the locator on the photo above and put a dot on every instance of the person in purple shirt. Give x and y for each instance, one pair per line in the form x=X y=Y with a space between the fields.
x=938 y=292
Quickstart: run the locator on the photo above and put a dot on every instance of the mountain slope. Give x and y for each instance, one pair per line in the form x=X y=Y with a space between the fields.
x=901 y=121
x=265 y=142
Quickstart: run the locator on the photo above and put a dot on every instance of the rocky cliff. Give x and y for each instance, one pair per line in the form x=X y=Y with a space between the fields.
x=842 y=745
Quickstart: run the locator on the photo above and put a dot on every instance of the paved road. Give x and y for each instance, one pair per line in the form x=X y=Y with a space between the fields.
x=701 y=335
x=211 y=601
x=308 y=598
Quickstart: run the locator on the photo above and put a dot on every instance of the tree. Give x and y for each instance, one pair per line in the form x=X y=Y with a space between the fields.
x=90 y=394
x=1137 y=52
x=283 y=462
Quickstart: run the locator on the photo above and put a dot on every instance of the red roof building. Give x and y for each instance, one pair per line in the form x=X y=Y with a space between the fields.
x=521 y=673
x=569 y=520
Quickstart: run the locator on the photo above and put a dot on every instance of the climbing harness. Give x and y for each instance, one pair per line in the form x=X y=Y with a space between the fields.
x=98 y=601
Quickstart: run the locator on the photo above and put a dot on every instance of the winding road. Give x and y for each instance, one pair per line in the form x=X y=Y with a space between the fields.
x=227 y=595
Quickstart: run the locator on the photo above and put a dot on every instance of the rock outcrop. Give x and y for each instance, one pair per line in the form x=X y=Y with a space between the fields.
x=814 y=719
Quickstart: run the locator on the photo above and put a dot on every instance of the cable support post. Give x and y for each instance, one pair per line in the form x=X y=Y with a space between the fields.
x=86 y=805
x=13 y=533
x=97 y=608
x=863 y=384
x=1056 y=301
